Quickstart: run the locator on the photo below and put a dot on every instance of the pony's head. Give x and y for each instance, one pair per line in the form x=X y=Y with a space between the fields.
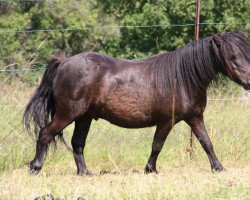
x=233 y=51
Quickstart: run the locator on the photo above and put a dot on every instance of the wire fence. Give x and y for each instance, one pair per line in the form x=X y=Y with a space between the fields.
x=5 y=31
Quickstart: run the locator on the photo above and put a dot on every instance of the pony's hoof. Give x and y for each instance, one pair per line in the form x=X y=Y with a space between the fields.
x=218 y=168
x=33 y=169
x=149 y=169
x=85 y=173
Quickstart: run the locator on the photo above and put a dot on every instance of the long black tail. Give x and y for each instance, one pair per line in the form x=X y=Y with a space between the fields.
x=41 y=107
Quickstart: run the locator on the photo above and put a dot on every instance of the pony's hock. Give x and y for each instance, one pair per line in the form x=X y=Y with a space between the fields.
x=157 y=91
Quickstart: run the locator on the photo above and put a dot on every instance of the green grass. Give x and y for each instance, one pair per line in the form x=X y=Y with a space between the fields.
x=117 y=157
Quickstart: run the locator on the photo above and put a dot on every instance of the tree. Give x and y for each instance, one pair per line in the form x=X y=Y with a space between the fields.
x=67 y=18
x=70 y=18
x=142 y=41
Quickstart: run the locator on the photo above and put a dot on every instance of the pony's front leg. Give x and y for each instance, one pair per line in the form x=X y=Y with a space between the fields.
x=46 y=134
x=198 y=127
x=160 y=136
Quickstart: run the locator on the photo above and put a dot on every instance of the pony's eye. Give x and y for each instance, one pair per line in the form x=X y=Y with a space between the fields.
x=232 y=57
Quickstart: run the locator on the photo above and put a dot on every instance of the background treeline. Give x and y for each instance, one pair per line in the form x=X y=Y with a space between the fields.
x=31 y=31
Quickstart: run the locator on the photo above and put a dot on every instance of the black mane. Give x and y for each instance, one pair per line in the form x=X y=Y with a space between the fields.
x=188 y=68
x=195 y=65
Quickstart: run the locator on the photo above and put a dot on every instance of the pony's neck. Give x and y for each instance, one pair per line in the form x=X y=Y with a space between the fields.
x=188 y=70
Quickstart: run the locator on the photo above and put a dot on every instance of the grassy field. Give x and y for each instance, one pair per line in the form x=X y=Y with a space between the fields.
x=117 y=156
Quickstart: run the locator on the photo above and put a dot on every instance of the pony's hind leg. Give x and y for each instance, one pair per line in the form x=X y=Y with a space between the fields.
x=46 y=134
x=82 y=125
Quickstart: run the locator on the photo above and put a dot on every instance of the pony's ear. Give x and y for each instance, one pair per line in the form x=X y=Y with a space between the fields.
x=217 y=39
x=240 y=32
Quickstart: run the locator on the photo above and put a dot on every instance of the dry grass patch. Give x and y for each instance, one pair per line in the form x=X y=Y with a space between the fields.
x=186 y=182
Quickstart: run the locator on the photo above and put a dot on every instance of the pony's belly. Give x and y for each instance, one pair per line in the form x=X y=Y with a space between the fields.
x=131 y=121
x=125 y=115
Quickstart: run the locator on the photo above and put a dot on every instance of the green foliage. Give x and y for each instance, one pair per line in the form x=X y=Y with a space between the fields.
x=142 y=39
x=172 y=13
x=29 y=48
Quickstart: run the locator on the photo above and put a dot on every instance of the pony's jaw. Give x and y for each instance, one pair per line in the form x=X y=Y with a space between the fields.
x=245 y=82
x=246 y=86
x=240 y=73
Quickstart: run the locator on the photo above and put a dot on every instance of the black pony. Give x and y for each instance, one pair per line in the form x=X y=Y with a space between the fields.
x=157 y=91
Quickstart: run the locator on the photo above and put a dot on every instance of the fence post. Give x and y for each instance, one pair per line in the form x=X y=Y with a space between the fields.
x=196 y=38
x=197 y=20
